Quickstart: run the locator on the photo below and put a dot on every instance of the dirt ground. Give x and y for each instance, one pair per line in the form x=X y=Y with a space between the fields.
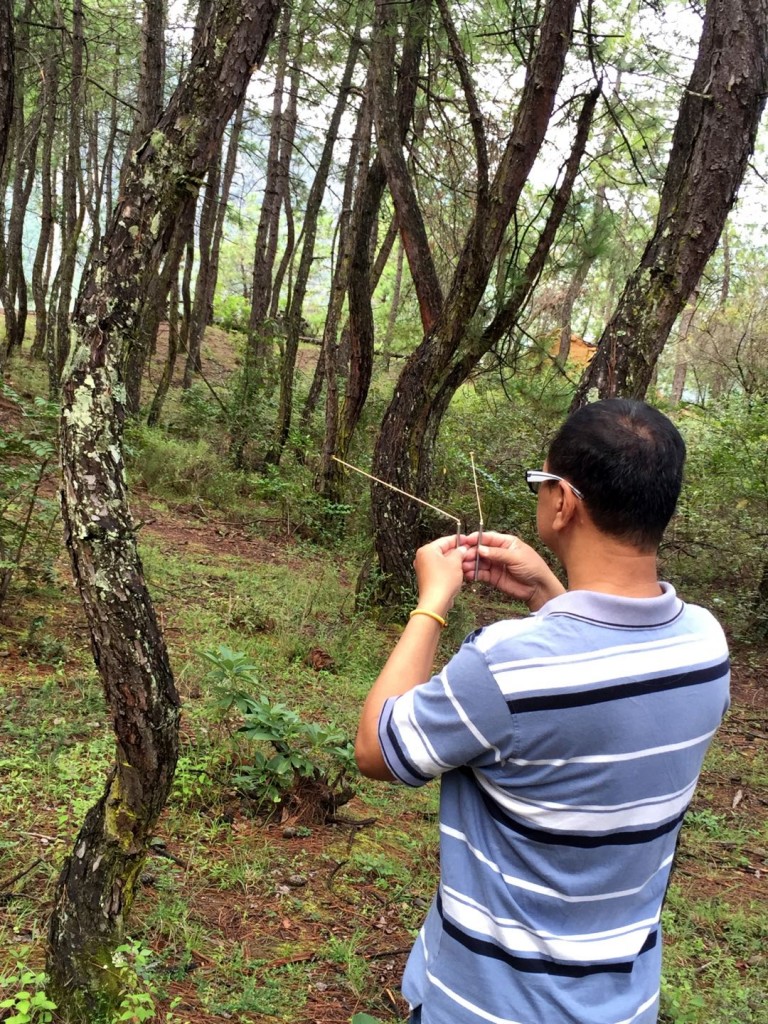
x=259 y=923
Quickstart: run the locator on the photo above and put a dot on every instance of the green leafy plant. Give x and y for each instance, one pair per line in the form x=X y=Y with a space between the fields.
x=232 y=674
x=133 y=963
x=28 y=1002
x=299 y=750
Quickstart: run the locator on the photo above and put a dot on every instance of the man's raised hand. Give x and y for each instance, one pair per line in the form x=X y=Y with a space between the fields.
x=513 y=567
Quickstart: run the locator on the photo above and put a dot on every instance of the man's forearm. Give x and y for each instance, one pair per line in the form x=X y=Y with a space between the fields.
x=409 y=664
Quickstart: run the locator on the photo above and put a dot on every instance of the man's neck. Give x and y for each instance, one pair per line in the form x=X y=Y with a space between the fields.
x=608 y=566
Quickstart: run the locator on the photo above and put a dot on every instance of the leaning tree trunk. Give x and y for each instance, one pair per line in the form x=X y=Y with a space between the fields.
x=98 y=883
x=715 y=134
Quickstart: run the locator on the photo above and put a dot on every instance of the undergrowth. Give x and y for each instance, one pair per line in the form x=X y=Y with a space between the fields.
x=255 y=916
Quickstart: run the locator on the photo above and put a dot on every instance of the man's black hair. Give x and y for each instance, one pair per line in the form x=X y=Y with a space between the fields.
x=627 y=460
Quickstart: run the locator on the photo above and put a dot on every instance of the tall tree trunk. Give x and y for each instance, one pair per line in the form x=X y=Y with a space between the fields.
x=403 y=453
x=329 y=347
x=7 y=65
x=269 y=216
x=714 y=136
x=199 y=316
x=149 y=94
x=314 y=202
x=39 y=288
x=72 y=212
x=394 y=309
x=98 y=883
x=149 y=108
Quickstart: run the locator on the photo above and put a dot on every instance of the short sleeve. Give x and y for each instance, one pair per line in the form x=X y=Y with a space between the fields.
x=457 y=718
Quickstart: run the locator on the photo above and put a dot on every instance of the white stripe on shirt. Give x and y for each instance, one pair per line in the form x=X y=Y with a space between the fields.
x=589 y=817
x=543 y=890
x=617 y=944
x=594 y=669
x=630 y=755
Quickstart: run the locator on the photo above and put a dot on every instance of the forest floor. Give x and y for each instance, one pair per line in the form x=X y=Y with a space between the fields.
x=300 y=915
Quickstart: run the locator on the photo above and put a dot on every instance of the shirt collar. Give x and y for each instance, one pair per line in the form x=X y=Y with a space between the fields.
x=615 y=610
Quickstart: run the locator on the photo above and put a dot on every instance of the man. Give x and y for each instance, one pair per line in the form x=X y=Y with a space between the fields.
x=569 y=742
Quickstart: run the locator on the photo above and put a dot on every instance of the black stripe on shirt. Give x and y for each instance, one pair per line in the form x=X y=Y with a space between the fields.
x=538 y=964
x=618 y=691
x=631 y=837
x=401 y=753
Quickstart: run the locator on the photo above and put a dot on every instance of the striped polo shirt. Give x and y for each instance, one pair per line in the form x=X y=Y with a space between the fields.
x=569 y=744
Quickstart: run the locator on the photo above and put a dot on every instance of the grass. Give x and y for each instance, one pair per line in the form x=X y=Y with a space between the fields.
x=283 y=919
x=266 y=921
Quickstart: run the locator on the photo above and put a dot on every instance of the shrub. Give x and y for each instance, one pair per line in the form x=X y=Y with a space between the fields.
x=183 y=469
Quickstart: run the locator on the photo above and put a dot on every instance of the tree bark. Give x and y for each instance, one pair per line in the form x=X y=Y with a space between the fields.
x=7 y=66
x=403 y=452
x=714 y=136
x=98 y=883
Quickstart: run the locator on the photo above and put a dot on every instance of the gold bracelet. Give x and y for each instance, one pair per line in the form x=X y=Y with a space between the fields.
x=432 y=615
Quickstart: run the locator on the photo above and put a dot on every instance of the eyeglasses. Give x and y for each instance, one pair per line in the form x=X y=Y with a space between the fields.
x=536 y=477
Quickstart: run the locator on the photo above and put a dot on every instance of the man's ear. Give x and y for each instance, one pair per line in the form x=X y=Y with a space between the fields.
x=566 y=507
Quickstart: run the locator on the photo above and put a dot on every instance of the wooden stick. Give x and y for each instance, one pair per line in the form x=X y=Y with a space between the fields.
x=370 y=476
x=480 y=514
